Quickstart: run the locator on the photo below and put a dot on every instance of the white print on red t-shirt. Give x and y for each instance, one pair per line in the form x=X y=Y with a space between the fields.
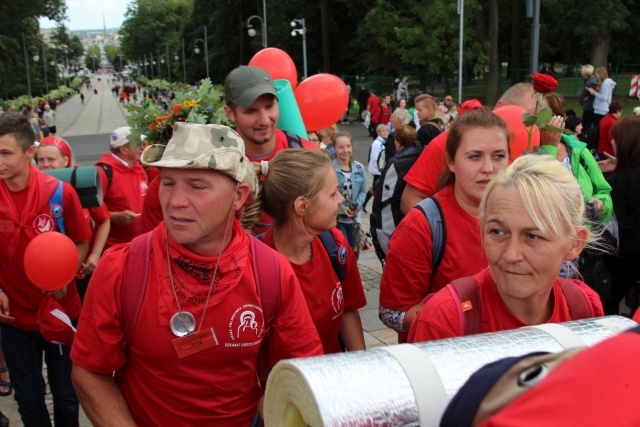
x=43 y=223
x=337 y=299
x=144 y=185
x=247 y=324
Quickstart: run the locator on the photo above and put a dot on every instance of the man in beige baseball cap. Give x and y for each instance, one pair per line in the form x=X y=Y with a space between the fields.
x=210 y=319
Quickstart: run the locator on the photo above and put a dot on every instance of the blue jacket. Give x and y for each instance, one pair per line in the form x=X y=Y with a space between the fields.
x=358 y=185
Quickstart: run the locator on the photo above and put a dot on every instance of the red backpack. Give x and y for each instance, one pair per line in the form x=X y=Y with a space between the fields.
x=467 y=299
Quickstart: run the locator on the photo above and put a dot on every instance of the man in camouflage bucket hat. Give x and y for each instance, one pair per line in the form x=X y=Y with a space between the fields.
x=209 y=294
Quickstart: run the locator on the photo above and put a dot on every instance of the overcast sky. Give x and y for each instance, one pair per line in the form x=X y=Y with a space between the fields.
x=87 y=14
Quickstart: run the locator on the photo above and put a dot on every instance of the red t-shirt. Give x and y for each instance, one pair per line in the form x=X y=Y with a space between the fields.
x=96 y=215
x=373 y=104
x=604 y=134
x=151 y=209
x=439 y=317
x=217 y=386
x=127 y=192
x=33 y=211
x=425 y=172
x=406 y=275
x=326 y=297
x=597 y=387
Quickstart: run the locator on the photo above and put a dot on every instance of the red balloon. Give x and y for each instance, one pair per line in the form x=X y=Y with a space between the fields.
x=322 y=100
x=512 y=115
x=277 y=63
x=51 y=260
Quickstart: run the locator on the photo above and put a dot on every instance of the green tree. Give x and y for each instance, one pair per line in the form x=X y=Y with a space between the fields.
x=153 y=25
x=92 y=58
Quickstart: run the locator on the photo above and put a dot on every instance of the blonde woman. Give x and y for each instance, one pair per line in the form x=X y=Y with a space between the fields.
x=532 y=221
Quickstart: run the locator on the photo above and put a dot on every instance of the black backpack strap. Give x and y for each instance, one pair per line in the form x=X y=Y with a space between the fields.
x=293 y=139
x=432 y=211
x=107 y=171
x=337 y=255
x=467 y=298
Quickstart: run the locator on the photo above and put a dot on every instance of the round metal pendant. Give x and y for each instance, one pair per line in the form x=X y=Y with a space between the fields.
x=182 y=323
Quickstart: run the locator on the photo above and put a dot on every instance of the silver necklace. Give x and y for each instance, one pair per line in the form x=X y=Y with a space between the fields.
x=184 y=323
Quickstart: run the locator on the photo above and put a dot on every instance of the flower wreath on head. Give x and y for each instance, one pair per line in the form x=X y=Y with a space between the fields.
x=542 y=84
x=202 y=103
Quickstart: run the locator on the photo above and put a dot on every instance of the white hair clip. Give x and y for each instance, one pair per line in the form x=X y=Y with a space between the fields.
x=264 y=167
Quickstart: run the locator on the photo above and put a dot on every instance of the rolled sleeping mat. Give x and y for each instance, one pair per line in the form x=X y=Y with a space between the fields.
x=86 y=182
x=290 y=117
x=408 y=385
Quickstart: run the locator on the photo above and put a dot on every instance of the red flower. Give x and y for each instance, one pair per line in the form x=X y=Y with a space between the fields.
x=543 y=83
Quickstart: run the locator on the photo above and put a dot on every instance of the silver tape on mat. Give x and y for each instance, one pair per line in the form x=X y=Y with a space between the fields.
x=431 y=397
x=565 y=336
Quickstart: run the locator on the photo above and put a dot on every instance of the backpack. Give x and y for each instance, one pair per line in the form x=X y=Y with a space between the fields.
x=266 y=271
x=386 y=213
x=467 y=299
x=380 y=161
x=57 y=210
x=108 y=171
x=293 y=139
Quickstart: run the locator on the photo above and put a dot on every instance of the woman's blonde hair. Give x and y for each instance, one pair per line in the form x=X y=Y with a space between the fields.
x=291 y=173
x=550 y=194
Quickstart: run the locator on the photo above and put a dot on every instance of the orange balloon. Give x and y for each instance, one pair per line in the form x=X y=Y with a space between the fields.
x=512 y=115
x=277 y=63
x=51 y=260
x=322 y=100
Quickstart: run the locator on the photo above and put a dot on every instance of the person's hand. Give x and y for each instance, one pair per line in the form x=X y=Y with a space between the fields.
x=600 y=206
x=125 y=217
x=350 y=213
x=57 y=295
x=592 y=91
x=608 y=164
x=549 y=137
x=89 y=265
x=5 y=314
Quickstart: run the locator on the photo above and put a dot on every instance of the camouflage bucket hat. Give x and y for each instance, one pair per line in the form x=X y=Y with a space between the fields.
x=198 y=146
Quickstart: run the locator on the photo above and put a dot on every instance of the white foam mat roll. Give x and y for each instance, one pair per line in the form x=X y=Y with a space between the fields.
x=386 y=386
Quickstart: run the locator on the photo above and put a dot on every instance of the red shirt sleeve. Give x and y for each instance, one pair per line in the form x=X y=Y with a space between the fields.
x=425 y=172
x=405 y=278
x=102 y=353
x=76 y=227
x=100 y=214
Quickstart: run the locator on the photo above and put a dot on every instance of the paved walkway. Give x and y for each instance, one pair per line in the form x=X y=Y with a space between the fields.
x=102 y=113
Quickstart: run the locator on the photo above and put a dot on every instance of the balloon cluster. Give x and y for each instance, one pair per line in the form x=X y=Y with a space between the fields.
x=322 y=98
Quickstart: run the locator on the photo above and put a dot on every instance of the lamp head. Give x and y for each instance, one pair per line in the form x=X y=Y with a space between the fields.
x=293 y=23
x=196 y=50
x=251 y=32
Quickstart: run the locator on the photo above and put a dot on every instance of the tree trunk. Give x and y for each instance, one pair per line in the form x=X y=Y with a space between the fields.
x=326 y=50
x=492 y=78
x=600 y=49
x=516 y=37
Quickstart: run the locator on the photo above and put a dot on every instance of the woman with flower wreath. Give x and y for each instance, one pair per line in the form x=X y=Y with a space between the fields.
x=352 y=183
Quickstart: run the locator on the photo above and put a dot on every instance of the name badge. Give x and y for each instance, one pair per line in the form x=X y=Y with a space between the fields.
x=195 y=343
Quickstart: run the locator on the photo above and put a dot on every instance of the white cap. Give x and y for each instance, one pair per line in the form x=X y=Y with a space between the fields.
x=119 y=137
x=636 y=111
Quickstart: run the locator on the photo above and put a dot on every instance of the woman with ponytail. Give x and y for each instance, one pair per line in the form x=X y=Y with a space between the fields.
x=300 y=192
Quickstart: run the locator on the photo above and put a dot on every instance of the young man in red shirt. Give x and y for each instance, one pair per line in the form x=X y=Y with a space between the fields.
x=124 y=186
x=604 y=128
x=26 y=210
x=201 y=293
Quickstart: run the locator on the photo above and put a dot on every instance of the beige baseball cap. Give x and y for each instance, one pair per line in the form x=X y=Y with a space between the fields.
x=204 y=146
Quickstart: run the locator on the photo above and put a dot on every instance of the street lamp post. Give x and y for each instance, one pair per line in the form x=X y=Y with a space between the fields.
x=184 y=67
x=168 y=63
x=44 y=64
x=151 y=64
x=145 y=66
x=159 y=61
x=252 y=32
x=302 y=31
x=26 y=64
x=461 y=13
x=93 y=56
x=54 y=64
x=120 y=57
x=196 y=49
